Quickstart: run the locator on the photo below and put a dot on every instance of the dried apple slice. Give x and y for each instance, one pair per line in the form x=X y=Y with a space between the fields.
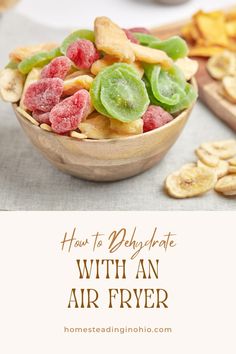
x=190 y=181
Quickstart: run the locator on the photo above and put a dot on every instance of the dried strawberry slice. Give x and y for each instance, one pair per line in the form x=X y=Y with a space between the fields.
x=67 y=114
x=41 y=117
x=155 y=117
x=131 y=36
x=139 y=30
x=59 y=67
x=43 y=95
x=82 y=53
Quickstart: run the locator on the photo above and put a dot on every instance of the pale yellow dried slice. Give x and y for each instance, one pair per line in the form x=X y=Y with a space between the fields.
x=229 y=86
x=22 y=53
x=112 y=40
x=46 y=127
x=224 y=149
x=225 y=94
x=77 y=135
x=232 y=169
x=27 y=116
x=190 y=181
x=220 y=170
x=101 y=64
x=226 y=185
x=188 y=66
x=151 y=55
x=33 y=76
x=232 y=161
x=207 y=158
x=222 y=64
x=131 y=128
x=11 y=85
x=77 y=83
x=97 y=127
x=77 y=73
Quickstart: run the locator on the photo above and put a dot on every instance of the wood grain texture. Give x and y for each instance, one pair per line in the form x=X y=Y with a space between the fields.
x=208 y=87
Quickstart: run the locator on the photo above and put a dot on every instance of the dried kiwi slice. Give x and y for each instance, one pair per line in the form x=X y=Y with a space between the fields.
x=118 y=92
x=175 y=47
x=167 y=84
x=145 y=39
x=80 y=34
x=38 y=60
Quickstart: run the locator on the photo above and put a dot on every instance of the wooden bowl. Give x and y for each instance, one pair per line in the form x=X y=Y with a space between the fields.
x=108 y=159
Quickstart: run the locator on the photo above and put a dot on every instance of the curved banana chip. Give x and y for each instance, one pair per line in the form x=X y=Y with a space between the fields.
x=188 y=66
x=229 y=88
x=207 y=158
x=224 y=149
x=226 y=185
x=11 y=84
x=222 y=64
x=220 y=170
x=232 y=161
x=80 y=82
x=232 y=169
x=190 y=181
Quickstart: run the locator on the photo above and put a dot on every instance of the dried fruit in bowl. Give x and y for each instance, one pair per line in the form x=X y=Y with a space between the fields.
x=112 y=72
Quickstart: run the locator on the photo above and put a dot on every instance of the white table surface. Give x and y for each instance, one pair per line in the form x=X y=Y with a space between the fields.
x=27 y=180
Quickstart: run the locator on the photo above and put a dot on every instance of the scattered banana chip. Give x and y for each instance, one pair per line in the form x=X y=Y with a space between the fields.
x=33 y=76
x=80 y=82
x=224 y=149
x=207 y=158
x=190 y=181
x=232 y=169
x=112 y=40
x=188 y=66
x=11 y=85
x=222 y=64
x=229 y=86
x=220 y=170
x=46 y=127
x=27 y=116
x=232 y=161
x=151 y=55
x=22 y=53
x=77 y=135
x=226 y=185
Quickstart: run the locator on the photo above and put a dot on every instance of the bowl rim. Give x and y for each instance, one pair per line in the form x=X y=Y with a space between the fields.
x=92 y=141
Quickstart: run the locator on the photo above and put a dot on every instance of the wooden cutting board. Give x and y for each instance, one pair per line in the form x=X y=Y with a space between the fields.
x=208 y=87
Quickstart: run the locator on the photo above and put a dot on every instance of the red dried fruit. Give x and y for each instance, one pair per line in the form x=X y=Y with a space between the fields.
x=139 y=30
x=41 y=117
x=131 y=36
x=59 y=67
x=43 y=95
x=155 y=117
x=83 y=53
x=67 y=114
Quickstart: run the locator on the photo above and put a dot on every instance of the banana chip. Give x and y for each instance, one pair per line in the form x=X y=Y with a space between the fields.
x=77 y=83
x=11 y=85
x=112 y=40
x=132 y=128
x=22 y=53
x=207 y=158
x=224 y=149
x=220 y=170
x=232 y=161
x=27 y=116
x=221 y=65
x=77 y=135
x=188 y=66
x=232 y=169
x=229 y=87
x=97 y=127
x=46 y=127
x=226 y=185
x=33 y=76
x=190 y=181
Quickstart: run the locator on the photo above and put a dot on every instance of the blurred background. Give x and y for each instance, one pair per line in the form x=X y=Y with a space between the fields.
x=81 y=13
